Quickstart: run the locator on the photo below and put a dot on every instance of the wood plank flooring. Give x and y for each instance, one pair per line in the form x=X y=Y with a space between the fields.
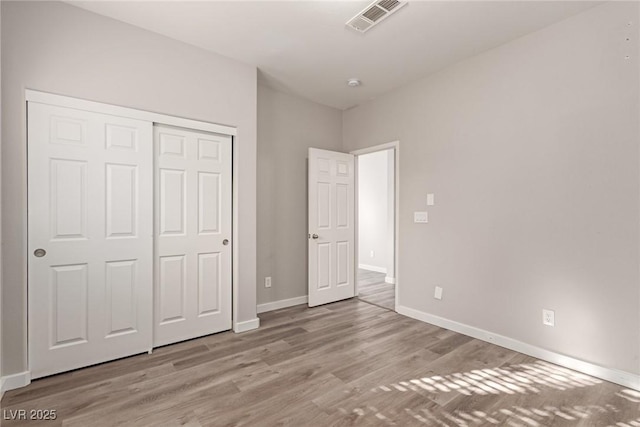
x=373 y=289
x=342 y=364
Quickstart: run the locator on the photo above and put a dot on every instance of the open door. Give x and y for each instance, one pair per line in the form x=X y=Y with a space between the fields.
x=331 y=226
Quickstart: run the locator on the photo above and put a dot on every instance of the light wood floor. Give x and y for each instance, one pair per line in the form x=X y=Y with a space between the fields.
x=348 y=363
x=373 y=289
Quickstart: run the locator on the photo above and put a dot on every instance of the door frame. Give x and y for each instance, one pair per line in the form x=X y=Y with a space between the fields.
x=36 y=96
x=395 y=146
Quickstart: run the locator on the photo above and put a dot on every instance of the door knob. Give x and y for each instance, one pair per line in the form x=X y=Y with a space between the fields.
x=39 y=253
x=225 y=242
x=315 y=236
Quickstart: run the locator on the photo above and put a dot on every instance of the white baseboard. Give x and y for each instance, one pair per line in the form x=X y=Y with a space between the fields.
x=283 y=303
x=373 y=268
x=12 y=382
x=391 y=280
x=247 y=325
x=623 y=378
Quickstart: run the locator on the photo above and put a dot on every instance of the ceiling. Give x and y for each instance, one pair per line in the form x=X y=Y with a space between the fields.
x=304 y=48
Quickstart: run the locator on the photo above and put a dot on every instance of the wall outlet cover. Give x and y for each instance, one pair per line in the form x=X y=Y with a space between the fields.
x=420 y=217
x=267 y=282
x=438 y=293
x=548 y=317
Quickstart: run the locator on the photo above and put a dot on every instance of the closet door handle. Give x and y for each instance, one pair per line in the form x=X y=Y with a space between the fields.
x=225 y=242
x=39 y=253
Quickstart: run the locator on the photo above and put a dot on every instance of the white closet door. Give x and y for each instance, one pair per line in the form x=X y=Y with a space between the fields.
x=193 y=234
x=90 y=186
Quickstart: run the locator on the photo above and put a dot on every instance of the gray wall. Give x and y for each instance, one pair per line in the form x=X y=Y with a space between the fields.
x=55 y=47
x=532 y=152
x=287 y=127
x=373 y=200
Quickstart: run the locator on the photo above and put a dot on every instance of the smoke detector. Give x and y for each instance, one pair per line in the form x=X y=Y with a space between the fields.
x=375 y=13
x=354 y=82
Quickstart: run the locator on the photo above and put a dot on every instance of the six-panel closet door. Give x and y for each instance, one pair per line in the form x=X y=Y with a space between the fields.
x=193 y=234
x=90 y=259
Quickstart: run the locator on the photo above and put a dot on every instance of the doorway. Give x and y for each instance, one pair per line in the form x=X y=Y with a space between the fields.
x=376 y=217
x=336 y=256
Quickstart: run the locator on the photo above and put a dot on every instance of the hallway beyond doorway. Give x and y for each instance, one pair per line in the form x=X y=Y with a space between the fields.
x=373 y=289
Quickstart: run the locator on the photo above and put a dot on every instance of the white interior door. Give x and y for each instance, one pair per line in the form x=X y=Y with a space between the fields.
x=193 y=234
x=90 y=245
x=331 y=226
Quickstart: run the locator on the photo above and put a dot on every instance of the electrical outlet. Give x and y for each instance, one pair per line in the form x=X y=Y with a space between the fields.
x=420 y=217
x=548 y=317
x=372 y=254
x=438 y=293
x=267 y=282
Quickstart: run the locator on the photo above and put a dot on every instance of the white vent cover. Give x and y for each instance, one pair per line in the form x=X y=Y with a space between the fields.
x=375 y=13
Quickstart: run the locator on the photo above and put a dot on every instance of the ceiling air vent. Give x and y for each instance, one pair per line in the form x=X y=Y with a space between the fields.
x=375 y=13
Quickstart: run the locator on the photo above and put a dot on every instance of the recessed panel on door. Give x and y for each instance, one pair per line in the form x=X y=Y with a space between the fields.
x=69 y=304
x=172 y=201
x=209 y=202
x=172 y=288
x=121 y=297
x=323 y=167
x=121 y=137
x=342 y=206
x=324 y=266
x=122 y=200
x=343 y=263
x=324 y=205
x=209 y=283
x=209 y=149
x=67 y=130
x=343 y=168
x=68 y=197
x=171 y=145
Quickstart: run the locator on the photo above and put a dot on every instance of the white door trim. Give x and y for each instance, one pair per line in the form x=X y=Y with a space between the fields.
x=158 y=118
x=131 y=113
x=395 y=146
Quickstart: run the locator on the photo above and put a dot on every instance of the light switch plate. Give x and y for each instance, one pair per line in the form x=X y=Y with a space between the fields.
x=548 y=317
x=431 y=199
x=420 y=217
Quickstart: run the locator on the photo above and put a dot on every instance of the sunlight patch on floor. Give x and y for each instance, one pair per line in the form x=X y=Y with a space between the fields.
x=515 y=416
x=630 y=395
x=632 y=423
x=516 y=379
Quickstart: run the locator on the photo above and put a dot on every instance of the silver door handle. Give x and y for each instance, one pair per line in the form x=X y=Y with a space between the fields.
x=39 y=253
x=225 y=242
x=315 y=236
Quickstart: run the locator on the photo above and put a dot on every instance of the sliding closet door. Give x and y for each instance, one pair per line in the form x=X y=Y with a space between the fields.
x=90 y=186
x=193 y=234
